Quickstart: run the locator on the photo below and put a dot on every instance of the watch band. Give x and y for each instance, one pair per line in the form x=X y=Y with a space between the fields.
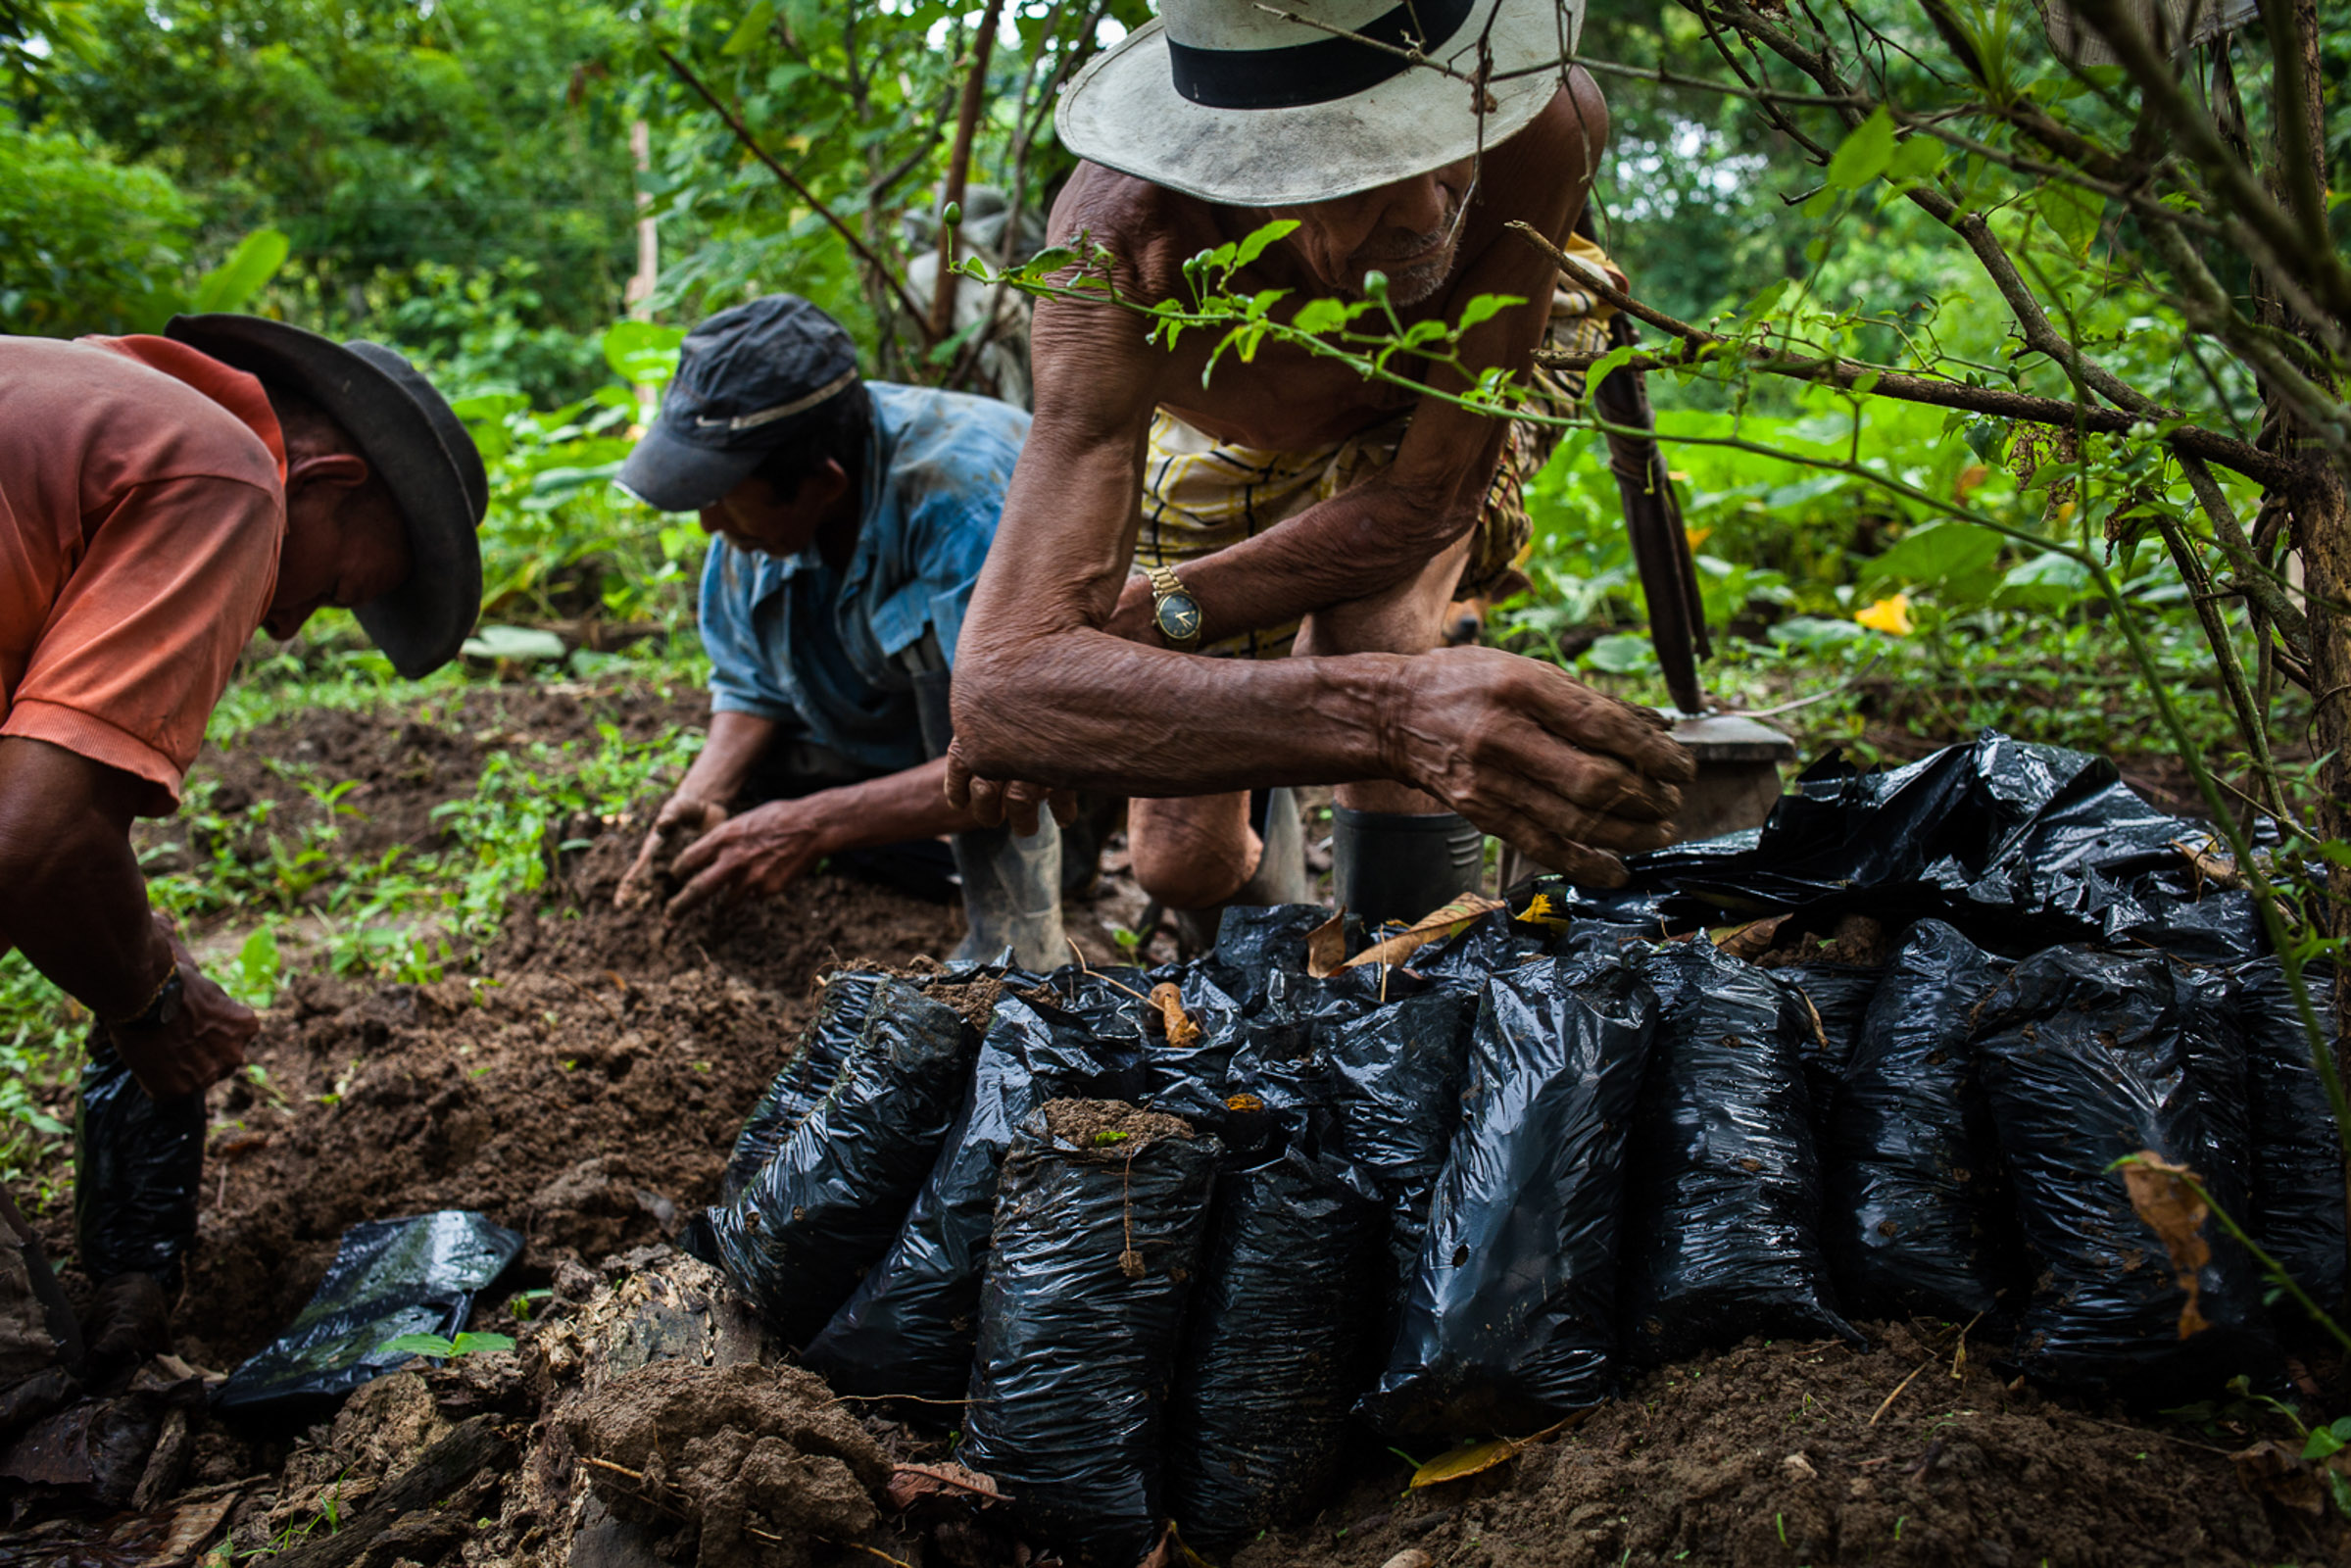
x=151 y=1015
x=1179 y=623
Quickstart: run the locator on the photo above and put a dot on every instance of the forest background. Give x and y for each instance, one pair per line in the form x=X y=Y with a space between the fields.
x=470 y=182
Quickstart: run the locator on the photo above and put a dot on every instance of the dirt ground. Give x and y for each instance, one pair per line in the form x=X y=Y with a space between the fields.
x=584 y=1087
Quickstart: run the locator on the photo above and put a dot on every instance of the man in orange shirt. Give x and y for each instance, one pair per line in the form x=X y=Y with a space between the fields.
x=162 y=498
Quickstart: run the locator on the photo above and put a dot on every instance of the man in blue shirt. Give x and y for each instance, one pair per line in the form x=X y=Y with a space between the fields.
x=849 y=521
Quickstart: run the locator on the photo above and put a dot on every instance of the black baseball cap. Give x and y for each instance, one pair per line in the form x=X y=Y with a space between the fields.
x=745 y=379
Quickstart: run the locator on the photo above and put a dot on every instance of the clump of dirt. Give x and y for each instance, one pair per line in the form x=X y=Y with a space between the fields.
x=974 y=998
x=1855 y=939
x=745 y=1464
x=1112 y=1126
x=1772 y=1453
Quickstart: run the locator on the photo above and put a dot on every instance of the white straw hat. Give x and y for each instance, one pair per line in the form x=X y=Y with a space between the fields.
x=1247 y=103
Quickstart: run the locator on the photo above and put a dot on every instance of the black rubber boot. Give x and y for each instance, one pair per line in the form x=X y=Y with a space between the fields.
x=1390 y=866
x=1012 y=886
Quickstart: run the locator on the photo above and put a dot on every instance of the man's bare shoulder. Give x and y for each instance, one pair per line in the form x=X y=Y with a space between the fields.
x=1150 y=229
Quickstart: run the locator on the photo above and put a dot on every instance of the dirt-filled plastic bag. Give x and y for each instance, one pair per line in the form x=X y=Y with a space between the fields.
x=830 y=1202
x=1830 y=1000
x=1098 y=1223
x=1392 y=1094
x=1280 y=1331
x=390 y=1278
x=800 y=1085
x=2085 y=1058
x=138 y=1170
x=910 y=1326
x=1724 y=1197
x=1915 y=1217
x=2297 y=1155
x=1510 y=1319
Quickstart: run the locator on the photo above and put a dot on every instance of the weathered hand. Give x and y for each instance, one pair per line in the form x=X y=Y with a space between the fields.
x=683 y=819
x=1536 y=757
x=994 y=801
x=199 y=1048
x=756 y=855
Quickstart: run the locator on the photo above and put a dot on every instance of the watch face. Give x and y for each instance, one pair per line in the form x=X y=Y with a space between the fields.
x=1179 y=617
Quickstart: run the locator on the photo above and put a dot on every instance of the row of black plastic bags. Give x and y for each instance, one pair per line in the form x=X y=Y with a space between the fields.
x=1459 y=1199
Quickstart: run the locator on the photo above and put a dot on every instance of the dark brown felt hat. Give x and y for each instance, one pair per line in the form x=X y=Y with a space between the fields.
x=413 y=439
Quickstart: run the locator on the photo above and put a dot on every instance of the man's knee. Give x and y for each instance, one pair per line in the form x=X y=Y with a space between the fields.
x=1192 y=853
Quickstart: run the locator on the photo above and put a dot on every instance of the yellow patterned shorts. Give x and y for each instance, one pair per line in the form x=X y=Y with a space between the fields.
x=1200 y=495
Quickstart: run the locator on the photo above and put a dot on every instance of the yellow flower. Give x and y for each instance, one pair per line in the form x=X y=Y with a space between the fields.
x=1696 y=537
x=1888 y=615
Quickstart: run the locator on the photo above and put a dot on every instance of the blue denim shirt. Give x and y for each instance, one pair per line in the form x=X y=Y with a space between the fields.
x=794 y=639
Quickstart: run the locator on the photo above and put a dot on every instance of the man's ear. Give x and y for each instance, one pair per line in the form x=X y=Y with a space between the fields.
x=826 y=483
x=341 y=470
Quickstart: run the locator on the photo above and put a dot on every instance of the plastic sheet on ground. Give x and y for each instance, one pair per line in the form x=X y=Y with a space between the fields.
x=1724 y=1197
x=797 y=1089
x=828 y=1205
x=2297 y=1155
x=1914 y=1219
x=1510 y=1319
x=389 y=1278
x=1281 y=1328
x=1098 y=1225
x=910 y=1328
x=2085 y=1058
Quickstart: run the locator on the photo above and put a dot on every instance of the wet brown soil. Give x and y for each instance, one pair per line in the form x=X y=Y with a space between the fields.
x=583 y=1086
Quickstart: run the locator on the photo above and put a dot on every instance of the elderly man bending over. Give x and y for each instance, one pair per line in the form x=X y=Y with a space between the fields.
x=1286 y=505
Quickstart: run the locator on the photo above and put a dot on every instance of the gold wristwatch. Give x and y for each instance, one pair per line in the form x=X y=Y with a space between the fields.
x=1174 y=609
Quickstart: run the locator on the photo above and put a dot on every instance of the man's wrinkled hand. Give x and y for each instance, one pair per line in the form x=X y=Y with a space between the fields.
x=756 y=855
x=995 y=801
x=1534 y=756
x=683 y=819
x=199 y=1048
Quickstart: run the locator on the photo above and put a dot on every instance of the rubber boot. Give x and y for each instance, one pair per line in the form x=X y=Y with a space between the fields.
x=1279 y=877
x=1390 y=866
x=1011 y=885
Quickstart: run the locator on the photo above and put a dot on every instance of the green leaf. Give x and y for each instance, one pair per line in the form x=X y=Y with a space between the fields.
x=752 y=29
x=1317 y=316
x=642 y=353
x=481 y=1344
x=1816 y=634
x=2338 y=1487
x=255 y=261
x=1917 y=158
x=1622 y=654
x=2048 y=581
x=1937 y=553
x=1485 y=307
x=2072 y=214
x=1864 y=153
x=1254 y=246
x=432 y=1344
x=523 y=643
x=2321 y=1444
x=260 y=966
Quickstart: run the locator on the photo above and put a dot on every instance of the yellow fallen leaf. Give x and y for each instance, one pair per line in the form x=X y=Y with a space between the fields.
x=1182 y=1032
x=2164 y=1196
x=1888 y=615
x=1478 y=1457
x=1429 y=928
x=1543 y=911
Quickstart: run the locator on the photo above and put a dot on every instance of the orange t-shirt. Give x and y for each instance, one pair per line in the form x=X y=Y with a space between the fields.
x=143 y=508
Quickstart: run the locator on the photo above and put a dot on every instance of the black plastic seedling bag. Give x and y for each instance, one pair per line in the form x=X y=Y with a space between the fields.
x=1098 y=1224
x=138 y=1168
x=2085 y=1059
x=1275 y=1351
x=389 y=1278
x=910 y=1326
x=1392 y=1094
x=1915 y=1217
x=1511 y=1320
x=1724 y=1207
x=1830 y=1002
x=2297 y=1156
x=807 y=1072
x=830 y=1202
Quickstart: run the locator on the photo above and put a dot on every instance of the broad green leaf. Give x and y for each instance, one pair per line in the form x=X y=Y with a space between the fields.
x=481 y=1343
x=255 y=261
x=1622 y=654
x=2338 y=1487
x=2072 y=214
x=1317 y=316
x=752 y=29
x=1485 y=307
x=2321 y=1444
x=1814 y=634
x=2048 y=581
x=642 y=353
x=1253 y=245
x=259 y=966
x=514 y=642
x=1864 y=153
x=1917 y=158
x=1937 y=553
x=432 y=1344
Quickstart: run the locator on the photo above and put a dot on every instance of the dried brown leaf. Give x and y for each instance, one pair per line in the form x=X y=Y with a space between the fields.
x=1182 y=1032
x=911 y=1483
x=2270 y=1469
x=1428 y=928
x=2164 y=1196
x=1750 y=941
x=1325 y=947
